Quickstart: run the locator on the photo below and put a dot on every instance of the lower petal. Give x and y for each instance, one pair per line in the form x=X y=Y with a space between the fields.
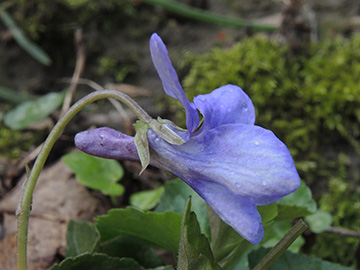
x=248 y=160
x=238 y=212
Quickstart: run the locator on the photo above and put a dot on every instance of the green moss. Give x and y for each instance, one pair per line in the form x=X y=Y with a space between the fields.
x=111 y=66
x=334 y=248
x=14 y=143
x=342 y=201
x=8 y=143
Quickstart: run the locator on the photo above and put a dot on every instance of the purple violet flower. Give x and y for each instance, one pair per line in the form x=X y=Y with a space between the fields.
x=231 y=163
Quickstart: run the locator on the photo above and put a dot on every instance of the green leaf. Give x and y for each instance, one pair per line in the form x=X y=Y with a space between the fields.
x=159 y=229
x=237 y=259
x=224 y=239
x=13 y=96
x=167 y=267
x=125 y=246
x=96 y=173
x=228 y=246
x=81 y=237
x=32 y=111
x=96 y=261
x=146 y=200
x=174 y=199
x=297 y=204
x=31 y=48
x=194 y=250
x=291 y=261
x=268 y=212
x=319 y=221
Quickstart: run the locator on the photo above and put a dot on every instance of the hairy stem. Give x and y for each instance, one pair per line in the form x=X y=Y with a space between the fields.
x=24 y=207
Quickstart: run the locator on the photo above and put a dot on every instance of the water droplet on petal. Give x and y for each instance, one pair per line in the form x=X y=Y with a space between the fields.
x=152 y=135
x=257 y=142
x=201 y=98
x=264 y=183
x=238 y=185
x=101 y=142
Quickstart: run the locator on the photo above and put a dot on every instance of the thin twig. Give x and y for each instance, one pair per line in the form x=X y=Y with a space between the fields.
x=98 y=87
x=79 y=67
x=343 y=232
x=29 y=157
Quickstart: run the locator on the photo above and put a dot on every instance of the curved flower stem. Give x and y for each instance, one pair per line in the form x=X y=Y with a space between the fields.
x=24 y=207
x=271 y=257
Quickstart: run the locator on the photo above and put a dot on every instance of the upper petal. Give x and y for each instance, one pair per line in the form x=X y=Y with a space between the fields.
x=170 y=80
x=228 y=104
x=248 y=160
x=107 y=143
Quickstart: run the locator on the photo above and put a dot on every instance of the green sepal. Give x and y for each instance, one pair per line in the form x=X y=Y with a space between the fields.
x=171 y=123
x=142 y=144
x=165 y=132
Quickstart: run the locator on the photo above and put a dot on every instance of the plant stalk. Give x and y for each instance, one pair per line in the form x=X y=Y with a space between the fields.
x=271 y=257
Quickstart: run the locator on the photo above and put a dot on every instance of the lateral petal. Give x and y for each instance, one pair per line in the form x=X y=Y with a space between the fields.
x=170 y=80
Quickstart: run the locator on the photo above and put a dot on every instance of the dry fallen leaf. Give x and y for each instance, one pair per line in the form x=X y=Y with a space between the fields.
x=58 y=198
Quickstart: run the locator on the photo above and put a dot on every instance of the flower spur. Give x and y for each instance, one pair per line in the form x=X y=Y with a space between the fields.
x=231 y=163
